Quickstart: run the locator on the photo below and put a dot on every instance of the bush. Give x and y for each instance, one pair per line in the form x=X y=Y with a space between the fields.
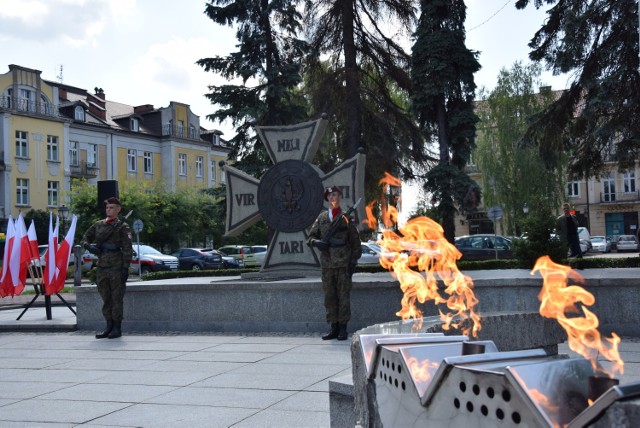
x=538 y=226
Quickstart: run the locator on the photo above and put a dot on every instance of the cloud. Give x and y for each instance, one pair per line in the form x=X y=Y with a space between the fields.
x=76 y=23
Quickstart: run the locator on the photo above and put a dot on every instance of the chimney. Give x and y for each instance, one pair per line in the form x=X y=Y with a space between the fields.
x=143 y=108
x=62 y=94
x=97 y=103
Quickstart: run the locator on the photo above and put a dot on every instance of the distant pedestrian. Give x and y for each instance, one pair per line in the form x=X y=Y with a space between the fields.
x=336 y=237
x=110 y=240
x=567 y=226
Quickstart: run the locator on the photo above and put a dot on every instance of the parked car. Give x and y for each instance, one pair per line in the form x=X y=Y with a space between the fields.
x=88 y=260
x=151 y=260
x=614 y=241
x=484 y=247
x=370 y=253
x=241 y=252
x=601 y=244
x=627 y=243
x=260 y=252
x=197 y=259
x=228 y=262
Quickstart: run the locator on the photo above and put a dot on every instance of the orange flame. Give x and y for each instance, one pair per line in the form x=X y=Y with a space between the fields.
x=421 y=371
x=557 y=299
x=418 y=256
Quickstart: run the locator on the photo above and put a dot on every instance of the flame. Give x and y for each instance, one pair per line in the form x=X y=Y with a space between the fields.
x=557 y=299
x=421 y=370
x=418 y=256
x=543 y=401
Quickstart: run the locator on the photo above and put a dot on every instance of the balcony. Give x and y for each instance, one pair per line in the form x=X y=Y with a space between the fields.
x=619 y=197
x=83 y=170
x=23 y=105
x=180 y=132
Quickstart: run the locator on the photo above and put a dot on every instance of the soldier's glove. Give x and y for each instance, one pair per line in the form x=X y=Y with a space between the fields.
x=352 y=268
x=124 y=274
x=93 y=249
x=320 y=244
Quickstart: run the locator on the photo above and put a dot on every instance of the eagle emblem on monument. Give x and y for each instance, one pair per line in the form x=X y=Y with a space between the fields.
x=288 y=197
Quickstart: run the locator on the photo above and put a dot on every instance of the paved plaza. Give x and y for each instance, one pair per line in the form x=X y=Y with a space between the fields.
x=53 y=376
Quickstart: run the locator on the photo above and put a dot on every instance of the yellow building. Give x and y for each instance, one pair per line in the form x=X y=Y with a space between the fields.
x=51 y=133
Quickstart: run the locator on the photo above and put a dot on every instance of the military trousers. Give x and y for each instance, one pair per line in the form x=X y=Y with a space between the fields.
x=111 y=289
x=336 y=284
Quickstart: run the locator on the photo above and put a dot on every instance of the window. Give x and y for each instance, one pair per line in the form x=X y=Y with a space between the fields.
x=92 y=155
x=199 y=166
x=52 y=148
x=573 y=189
x=213 y=171
x=52 y=193
x=22 y=191
x=79 y=113
x=192 y=132
x=73 y=153
x=180 y=128
x=148 y=162
x=182 y=163
x=609 y=188
x=25 y=100
x=135 y=124
x=629 y=182
x=131 y=160
x=22 y=144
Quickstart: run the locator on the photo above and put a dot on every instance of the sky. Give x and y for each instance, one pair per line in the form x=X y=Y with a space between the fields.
x=145 y=51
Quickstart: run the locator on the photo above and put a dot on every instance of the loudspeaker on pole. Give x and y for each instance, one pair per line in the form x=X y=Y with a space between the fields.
x=106 y=189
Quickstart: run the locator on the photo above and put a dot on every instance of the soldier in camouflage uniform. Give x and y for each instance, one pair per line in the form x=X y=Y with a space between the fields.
x=110 y=240
x=339 y=253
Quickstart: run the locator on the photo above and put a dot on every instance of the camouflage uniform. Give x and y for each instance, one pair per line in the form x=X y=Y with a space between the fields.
x=336 y=279
x=114 y=239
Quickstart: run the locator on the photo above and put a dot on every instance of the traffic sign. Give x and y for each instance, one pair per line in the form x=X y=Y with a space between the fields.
x=137 y=226
x=495 y=213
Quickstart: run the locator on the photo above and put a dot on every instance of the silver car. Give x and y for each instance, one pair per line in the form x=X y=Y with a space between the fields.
x=601 y=244
x=627 y=243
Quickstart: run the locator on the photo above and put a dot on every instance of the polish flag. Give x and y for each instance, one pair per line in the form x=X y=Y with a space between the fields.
x=33 y=242
x=50 y=262
x=62 y=259
x=34 y=251
x=19 y=258
x=6 y=273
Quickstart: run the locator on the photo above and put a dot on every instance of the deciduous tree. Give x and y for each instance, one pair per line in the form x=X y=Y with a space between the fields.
x=596 y=41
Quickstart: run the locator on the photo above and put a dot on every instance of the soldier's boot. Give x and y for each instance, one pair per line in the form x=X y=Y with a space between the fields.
x=106 y=331
x=117 y=330
x=342 y=332
x=333 y=333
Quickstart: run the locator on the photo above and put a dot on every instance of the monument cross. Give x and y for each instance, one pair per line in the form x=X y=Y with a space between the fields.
x=289 y=196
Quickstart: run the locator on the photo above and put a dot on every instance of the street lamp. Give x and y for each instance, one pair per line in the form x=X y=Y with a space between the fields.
x=525 y=208
x=64 y=215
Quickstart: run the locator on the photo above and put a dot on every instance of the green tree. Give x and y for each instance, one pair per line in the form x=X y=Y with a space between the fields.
x=363 y=84
x=442 y=100
x=597 y=42
x=513 y=174
x=268 y=62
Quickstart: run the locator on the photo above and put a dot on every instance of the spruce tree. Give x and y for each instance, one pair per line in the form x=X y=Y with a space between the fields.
x=442 y=101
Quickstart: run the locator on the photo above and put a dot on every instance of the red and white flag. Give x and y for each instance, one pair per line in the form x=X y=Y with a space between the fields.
x=50 y=261
x=6 y=273
x=62 y=259
x=33 y=242
x=18 y=259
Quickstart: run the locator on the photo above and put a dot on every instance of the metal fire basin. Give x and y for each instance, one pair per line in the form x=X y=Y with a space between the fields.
x=593 y=412
x=397 y=393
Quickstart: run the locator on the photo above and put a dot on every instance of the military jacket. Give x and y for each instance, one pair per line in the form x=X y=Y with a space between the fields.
x=115 y=235
x=340 y=255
